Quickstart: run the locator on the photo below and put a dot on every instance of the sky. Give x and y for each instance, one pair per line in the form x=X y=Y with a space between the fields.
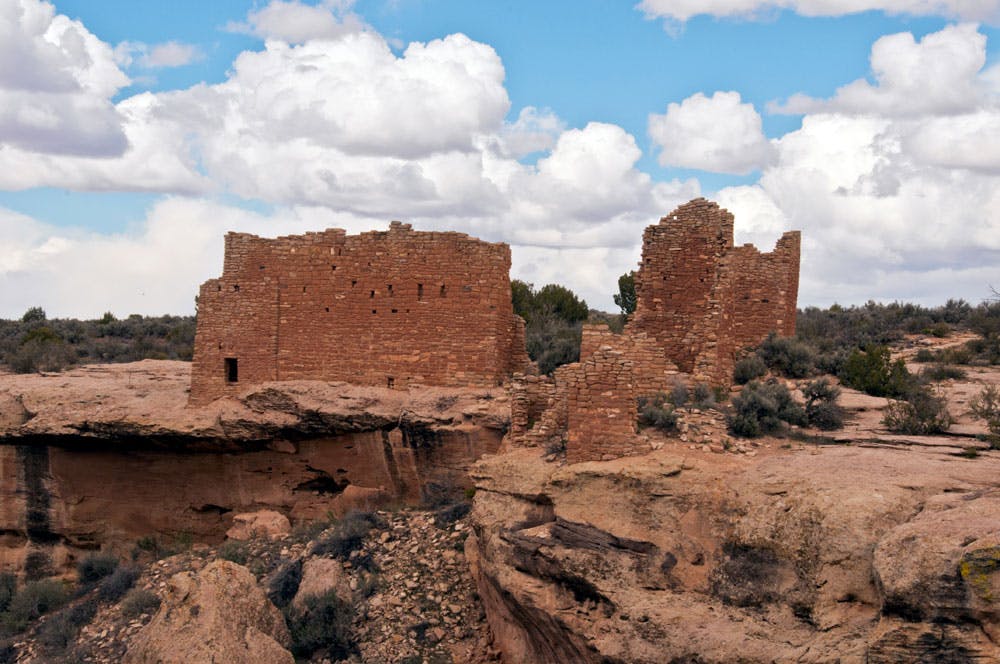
x=134 y=135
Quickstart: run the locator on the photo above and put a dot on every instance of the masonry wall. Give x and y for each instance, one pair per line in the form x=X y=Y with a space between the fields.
x=387 y=308
x=601 y=408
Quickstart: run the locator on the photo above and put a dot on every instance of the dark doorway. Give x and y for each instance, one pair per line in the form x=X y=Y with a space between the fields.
x=232 y=370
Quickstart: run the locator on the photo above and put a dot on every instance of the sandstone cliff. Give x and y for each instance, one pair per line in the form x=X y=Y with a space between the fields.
x=812 y=554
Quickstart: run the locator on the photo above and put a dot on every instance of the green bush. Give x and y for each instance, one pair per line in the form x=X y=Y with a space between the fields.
x=939 y=330
x=234 y=551
x=33 y=601
x=941 y=372
x=322 y=624
x=787 y=356
x=95 y=567
x=285 y=584
x=702 y=396
x=553 y=317
x=61 y=628
x=763 y=408
x=114 y=586
x=923 y=412
x=139 y=601
x=822 y=410
x=873 y=372
x=924 y=355
x=749 y=368
x=657 y=412
x=347 y=535
x=986 y=406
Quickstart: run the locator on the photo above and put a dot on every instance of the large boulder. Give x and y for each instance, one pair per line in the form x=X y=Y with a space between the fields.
x=320 y=576
x=216 y=615
x=265 y=523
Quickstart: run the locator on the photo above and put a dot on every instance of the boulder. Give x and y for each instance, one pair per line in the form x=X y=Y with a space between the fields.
x=265 y=523
x=319 y=576
x=218 y=614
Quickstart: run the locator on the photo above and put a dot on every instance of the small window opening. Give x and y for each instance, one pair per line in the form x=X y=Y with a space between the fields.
x=420 y=291
x=333 y=267
x=390 y=382
x=354 y=282
x=236 y=287
x=220 y=287
x=338 y=251
x=374 y=310
x=232 y=370
x=328 y=310
x=371 y=295
x=765 y=301
x=390 y=290
x=262 y=267
x=444 y=291
x=395 y=311
x=303 y=289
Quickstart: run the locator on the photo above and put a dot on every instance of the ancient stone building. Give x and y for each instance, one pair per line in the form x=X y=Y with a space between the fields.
x=699 y=301
x=387 y=308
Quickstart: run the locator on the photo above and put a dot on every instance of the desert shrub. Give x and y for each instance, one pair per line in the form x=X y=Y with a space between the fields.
x=923 y=412
x=657 y=412
x=787 y=356
x=939 y=329
x=347 y=535
x=924 y=355
x=114 y=586
x=95 y=567
x=749 y=368
x=986 y=406
x=33 y=601
x=285 y=584
x=702 y=396
x=873 y=372
x=763 y=408
x=322 y=624
x=449 y=514
x=8 y=588
x=139 y=601
x=61 y=628
x=679 y=394
x=553 y=317
x=306 y=531
x=234 y=551
x=937 y=372
x=822 y=410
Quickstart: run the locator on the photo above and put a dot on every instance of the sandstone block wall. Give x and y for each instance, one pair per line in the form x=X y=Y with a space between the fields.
x=388 y=308
x=699 y=301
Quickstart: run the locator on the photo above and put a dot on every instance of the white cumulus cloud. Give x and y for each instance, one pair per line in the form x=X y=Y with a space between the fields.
x=987 y=11
x=296 y=22
x=717 y=133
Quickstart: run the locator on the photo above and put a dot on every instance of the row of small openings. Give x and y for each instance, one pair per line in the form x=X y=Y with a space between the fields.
x=443 y=292
x=236 y=287
x=375 y=311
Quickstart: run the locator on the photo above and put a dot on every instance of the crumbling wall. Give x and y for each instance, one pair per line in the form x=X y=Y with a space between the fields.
x=699 y=300
x=389 y=308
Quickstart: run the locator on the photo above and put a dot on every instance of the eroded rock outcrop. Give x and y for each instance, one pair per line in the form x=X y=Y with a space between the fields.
x=826 y=554
x=216 y=615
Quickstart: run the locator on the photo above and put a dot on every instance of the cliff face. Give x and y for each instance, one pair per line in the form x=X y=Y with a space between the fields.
x=103 y=455
x=849 y=554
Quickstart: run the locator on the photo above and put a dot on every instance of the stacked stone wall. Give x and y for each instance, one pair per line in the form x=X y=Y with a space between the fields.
x=601 y=408
x=389 y=308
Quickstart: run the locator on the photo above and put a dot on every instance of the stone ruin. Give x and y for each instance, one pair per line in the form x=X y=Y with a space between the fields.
x=699 y=301
x=386 y=308
x=400 y=307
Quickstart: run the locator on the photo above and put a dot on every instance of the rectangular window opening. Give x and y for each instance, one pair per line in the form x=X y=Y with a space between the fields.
x=390 y=382
x=444 y=291
x=420 y=291
x=232 y=370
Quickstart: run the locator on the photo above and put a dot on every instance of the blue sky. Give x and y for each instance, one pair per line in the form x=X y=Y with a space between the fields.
x=893 y=179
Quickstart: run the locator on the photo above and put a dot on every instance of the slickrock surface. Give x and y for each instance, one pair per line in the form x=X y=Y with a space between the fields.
x=146 y=402
x=807 y=554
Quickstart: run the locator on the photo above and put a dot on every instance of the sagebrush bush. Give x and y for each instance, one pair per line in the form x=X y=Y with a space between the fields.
x=787 y=356
x=657 y=412
x=8 y=588
x=873 y=372
x=94 y=567
x=34 y=600
x=285 y=584
x=749 y=368
x=139 y=601
x=822 y=409
x=702 y=396
x=114 y=586
x=923 y=412
x=235 y=551
x=347 y=535
x=323 y=623
x=763 y=408
x=924 y=355
x=941 y=372
x=986 y=406
x=61 y=628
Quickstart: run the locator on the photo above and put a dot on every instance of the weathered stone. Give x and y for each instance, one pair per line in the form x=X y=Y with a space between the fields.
x=265 y=523
x=216 y=615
